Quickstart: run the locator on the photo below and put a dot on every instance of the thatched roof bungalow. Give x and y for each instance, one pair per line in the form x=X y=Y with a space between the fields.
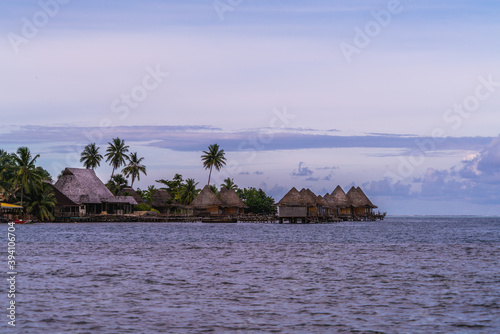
x=127 y=191
x=292 y=205
x=341 y=201
x=207 y=203
x=311 y=201
x=83 y=187
x=233 y=205
x=361 y=206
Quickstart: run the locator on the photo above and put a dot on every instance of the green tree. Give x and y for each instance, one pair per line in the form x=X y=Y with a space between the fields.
x=229 y=184
x=257 y=201
x=173 y=186
x=26 y=175
x=134 y=168
x=116 y=184
x=41 y=202
x=116 y=154
x=91 y=157
x=214 y=157
x=188 y=192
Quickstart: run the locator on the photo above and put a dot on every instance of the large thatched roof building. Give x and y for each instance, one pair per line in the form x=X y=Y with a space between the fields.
x=292 y=205
x=83 y=187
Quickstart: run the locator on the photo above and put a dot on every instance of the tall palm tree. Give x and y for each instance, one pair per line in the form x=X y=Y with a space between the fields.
x=25 y=171
x=229 y=184
x=134 y=168
x=188 y=192
x=214 y=157
x=117 y=154
x=91 y=157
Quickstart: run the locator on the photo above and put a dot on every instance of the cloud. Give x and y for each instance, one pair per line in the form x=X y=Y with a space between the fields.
x=302 y=171
x=259 y=172
x=483 y=167
x=314 y=179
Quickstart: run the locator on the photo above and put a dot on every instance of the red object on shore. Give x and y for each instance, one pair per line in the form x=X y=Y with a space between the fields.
x=17 y=221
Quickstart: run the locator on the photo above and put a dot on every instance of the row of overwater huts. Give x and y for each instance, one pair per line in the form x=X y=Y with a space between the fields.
x=307 y=207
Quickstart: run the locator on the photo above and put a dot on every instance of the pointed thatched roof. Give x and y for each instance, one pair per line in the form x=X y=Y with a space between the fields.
x=366 y=199
x=330 y=201
x=160 y=198
x=322 y=201
x=83 y=186
x=292 y=198
x=127 y=191
x=61 y=199
x=231 y=199
x=206 y=198
x=355 y=198
x=309 y=197
x=340 y=199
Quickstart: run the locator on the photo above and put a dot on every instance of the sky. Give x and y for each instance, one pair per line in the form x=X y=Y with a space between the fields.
x=398 y=97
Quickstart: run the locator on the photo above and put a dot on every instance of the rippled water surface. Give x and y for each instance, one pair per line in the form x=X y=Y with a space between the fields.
x=402 y=275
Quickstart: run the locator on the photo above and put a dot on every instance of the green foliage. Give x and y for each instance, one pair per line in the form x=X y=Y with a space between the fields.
x=229 y=184
x=257 y=200
x=116 y=184
x=116 y=154
x=188 y=192
x=26 y=175
x=147 y=195
x=174 y=186
x=214 y=157
x=134 y=168
x=40 y=203
x=142 y=207
x=91 y=157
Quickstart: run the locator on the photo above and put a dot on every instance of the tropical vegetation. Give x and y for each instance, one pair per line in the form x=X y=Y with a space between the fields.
x=116 y=154
x=214 y=157
x=91 y=157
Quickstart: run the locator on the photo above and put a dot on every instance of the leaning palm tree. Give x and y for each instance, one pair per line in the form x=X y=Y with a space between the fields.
x=229 y=184
x=214 y=157
x=117 y=154
x=134 y=168
x=91 y=157
x=188 y=192
x=26 y=174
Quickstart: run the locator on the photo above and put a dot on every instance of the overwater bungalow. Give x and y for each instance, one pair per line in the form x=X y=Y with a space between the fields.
x=82 y=187
x=292 y=205
x=206 y=203
x=360 y=205
x=233 y=205
x=311 y=201
x=341 y=202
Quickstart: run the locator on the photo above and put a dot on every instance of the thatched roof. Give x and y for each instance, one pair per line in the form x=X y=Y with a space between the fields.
x=330 y=201
x=61 y=199
x=366 y=199
x=127 y=191
x=321 y=201
x=83 y=186
x=309 y=197
x=292 y=198
x=122 y=199
x=206 y=198
x=355 y=198
x=160 y=197
x=340 y=199
x=231 y=199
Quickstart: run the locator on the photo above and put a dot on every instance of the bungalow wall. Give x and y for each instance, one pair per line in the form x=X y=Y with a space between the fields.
x=292 y=211
x=232 y=211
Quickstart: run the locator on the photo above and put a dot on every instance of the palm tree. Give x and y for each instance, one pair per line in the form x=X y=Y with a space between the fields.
x=134 y=168
x=91 y=157
x=117 y=154
x=41 y=203
x=188 y=192
x=214 y=157
x=229 y=184
x=25 y=172
x=116 y=184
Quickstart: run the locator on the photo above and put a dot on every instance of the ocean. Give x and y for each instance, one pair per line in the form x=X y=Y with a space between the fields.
x=417 y=274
